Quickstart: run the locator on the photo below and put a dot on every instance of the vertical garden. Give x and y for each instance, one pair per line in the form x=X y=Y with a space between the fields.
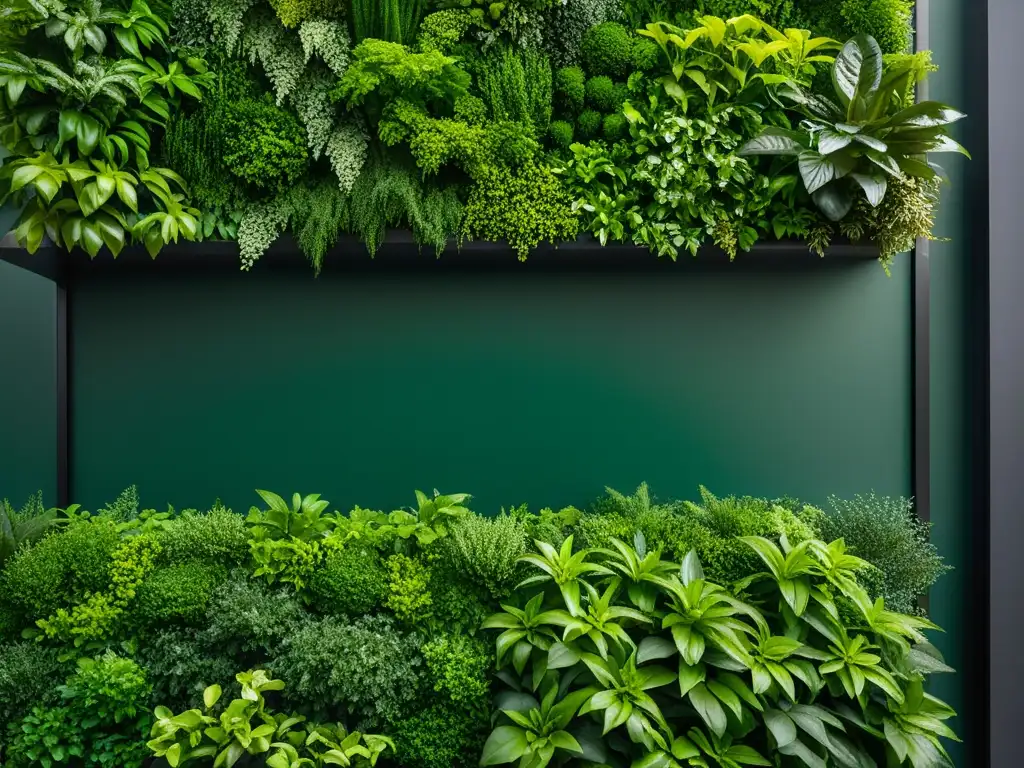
x=626 y=631
x=664 y=124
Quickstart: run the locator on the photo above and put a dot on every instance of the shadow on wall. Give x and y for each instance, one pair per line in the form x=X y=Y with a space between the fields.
x=28 y=424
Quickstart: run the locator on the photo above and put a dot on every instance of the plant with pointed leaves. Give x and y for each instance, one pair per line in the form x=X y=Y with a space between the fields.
x=790 y=567
x=869 y=136
x=331 y=744
x=91 y=217
x=722 y=60
x=79 y=122
x=564 y=568
x=524 y=630
x=538 y=729
x=596 y=619
x=247 y=727
x=622 y=697
x=777 y=660
x=304 y=519
x=19 y=528
x=701 y=614
x=805 y=666
x=643 y=571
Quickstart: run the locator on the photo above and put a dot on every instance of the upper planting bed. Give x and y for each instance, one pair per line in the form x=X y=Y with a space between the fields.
x=631 y=634
x=665 y=124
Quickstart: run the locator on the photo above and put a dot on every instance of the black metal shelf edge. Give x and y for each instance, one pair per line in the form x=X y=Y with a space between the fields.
x=400 y=250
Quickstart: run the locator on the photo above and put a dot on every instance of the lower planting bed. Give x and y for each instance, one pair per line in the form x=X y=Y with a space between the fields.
x=725 y=632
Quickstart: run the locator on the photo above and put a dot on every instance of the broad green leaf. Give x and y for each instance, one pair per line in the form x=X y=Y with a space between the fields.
x=782 y=728
x=810 y=725
x=834 y=200
x=884 y=161
x=871 y=142
x=652 y=760
x=745 y=755
x=211 y=696
x=874 y=186
x=689 y=643
x=689 y=676
x=833 y=141
x=654 y=647
x=857 y=72
x=691 y=570
x=709 y=709
x=727 y=696
x=566 y=741
x=684 y=749
x=800 y=750
x=816 y=170
x=926 y=114
x=561 y=656
x=88 y=132
x=774 y=141
x=24 y=174
x=505 y=745
x=655 y=677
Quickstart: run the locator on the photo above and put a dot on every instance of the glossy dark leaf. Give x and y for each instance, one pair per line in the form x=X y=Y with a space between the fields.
x=833 y=141
x=857 y=72
x=775 y=141
x=834 y=200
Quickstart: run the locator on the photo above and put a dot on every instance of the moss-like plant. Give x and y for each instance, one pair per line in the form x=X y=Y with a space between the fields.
x=522 y=207
x=264 y=145
x=561 y=133
x=607 y=50
x=589 y=123
x=570 y=90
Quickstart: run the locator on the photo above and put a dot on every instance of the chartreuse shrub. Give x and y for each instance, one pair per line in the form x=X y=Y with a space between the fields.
x=299 y=636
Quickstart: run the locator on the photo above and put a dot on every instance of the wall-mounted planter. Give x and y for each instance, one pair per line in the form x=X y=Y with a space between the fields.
x=401 y=252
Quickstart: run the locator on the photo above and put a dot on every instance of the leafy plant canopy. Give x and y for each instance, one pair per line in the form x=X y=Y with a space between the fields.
x=667 y=125
x=727 y=632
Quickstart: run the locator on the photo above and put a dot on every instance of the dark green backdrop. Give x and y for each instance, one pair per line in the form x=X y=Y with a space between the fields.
x=538 y=388
x=28 y=399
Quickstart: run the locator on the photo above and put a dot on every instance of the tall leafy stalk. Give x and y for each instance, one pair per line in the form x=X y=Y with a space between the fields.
x=393 y=20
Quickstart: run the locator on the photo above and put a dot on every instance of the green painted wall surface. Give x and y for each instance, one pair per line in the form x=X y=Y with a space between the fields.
x=950 y=423
x=28 y=426
x=514 y=387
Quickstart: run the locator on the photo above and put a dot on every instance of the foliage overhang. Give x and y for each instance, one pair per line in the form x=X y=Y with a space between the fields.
x=666 y=125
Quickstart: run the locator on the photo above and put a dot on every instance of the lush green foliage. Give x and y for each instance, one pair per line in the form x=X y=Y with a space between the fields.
x=378 y=651
x=867 y=136
x=617 y=656
x=887 y=533
x=87 y=90
x=523 y=121
x=101 y=721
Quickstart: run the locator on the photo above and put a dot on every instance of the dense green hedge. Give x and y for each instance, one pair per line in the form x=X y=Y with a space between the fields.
x=521 y=121
x=424 y=637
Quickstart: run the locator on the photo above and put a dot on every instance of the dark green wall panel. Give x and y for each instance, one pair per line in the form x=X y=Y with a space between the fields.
x=515 y=387
x=28 y=426
x=951 y=274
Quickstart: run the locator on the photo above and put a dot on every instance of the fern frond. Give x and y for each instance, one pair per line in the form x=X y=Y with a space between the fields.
x=266 y=42
x=346 y=150
x=328 y=40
